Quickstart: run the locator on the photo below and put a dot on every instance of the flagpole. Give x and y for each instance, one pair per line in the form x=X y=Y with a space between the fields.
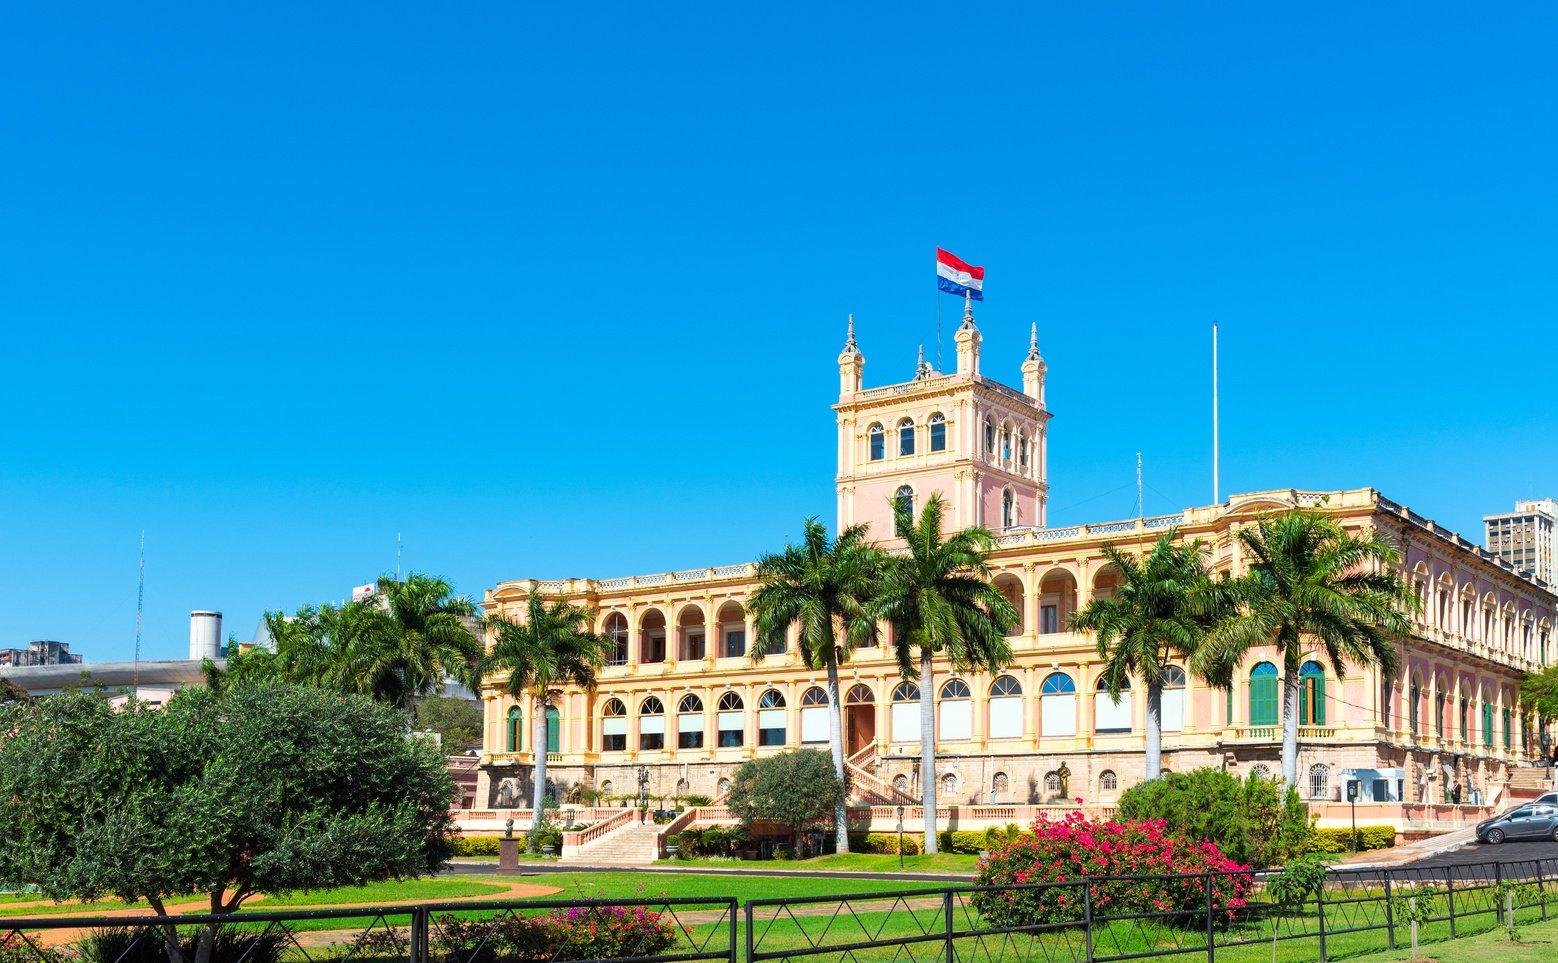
x=938 y=314
x=1216 y=489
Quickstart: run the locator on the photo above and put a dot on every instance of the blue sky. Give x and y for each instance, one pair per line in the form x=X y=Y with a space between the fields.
x=558 y=292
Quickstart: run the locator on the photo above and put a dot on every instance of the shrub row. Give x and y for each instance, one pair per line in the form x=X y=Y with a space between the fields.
x=713 y=841
x=576 y=933
x=1340 y=840
x=466 y=846
x=884 y=843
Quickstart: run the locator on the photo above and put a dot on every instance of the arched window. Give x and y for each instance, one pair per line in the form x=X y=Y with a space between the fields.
x=938 y=432
x=949 y=783
x=723 y=786
x=906 y=712
x=877 y=443
x=1110 y=716
x=1052 y=783
x=683 y=787
x=770 y=719
x=1008 y=509
x=903 y=499
x=860 y=695
x=605 y=790
x=989 y=437
x=554 y=729
x=614 y=726
x=1263 y=695
x=1006 y=443
x=814 y=716
x=651 y=724
x=1107 y=781
x=1005 y=708
x=1022 y=448
x=906 y=436
x=901 y=783
x=1415 y=692
x=516 y=729
x=1507 y=730
x=1058 y=706
x=1311 y=695
x=616 y=629
x=689 y=723
x=999 y=783
x=1439 y=702
x=956 y=722
x=1487 y=721
x=1172 y=700
x=1261 y=771
x=1465 y=719
x=730 y=720
x=1319 y=781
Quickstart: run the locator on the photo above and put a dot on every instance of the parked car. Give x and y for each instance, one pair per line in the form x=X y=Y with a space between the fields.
x=1533 y=821
x=1546 y=799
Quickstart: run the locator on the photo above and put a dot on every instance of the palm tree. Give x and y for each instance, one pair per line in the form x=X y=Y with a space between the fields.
x=403 y=643
x=1165 y=604
x=939 y=601
x=1311 y=579
x=553 y=646
x=821 y=587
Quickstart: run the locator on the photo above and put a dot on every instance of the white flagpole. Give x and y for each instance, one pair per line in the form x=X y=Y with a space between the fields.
x=1216 y=488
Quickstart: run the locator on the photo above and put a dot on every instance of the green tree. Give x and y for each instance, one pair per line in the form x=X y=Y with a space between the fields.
x=794 y=789
x=457 y=721
x=1539 y=693
x=1165 y=604
x=267 y=788
x=552 y=646
x=939 y=601
x=1255 y=821
x=11 y=692
x=822 y=587
x=1312 y=582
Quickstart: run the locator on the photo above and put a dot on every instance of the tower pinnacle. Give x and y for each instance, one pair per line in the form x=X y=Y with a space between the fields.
x=849 y=343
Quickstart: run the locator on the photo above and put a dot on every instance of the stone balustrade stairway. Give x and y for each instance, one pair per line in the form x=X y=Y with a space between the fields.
x=635 y=844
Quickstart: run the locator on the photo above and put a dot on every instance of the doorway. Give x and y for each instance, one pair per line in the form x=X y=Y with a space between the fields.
x=859 y=720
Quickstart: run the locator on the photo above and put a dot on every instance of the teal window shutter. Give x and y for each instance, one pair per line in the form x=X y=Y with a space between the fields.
x=1263 y=695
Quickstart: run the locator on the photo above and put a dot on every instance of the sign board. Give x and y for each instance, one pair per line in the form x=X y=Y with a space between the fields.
x=364 y=591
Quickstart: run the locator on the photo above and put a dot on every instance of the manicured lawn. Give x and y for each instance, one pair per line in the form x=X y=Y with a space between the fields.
x=629 y=885
x=426 y=890
x=948 y=863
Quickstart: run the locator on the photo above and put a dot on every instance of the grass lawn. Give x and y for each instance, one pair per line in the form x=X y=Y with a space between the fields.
x=948 y=863
x=628 y=885
x=426 y=890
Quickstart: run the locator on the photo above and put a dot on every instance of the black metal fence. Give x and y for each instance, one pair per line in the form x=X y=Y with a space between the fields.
x=1352 y=912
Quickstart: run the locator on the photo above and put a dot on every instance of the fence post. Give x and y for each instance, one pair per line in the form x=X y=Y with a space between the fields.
x=749 y=933
x=1320 y=905
x=1498 y=887
x=1449 y=896
x=1211 y=943
x=1087 y=918
x=1413 y=905
x=947 y=901
x=1390 y=916
x=1509 y=913
x=1541 y=888
x=733 y=931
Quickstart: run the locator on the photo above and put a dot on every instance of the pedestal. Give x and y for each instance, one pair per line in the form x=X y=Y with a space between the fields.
x=508 y=854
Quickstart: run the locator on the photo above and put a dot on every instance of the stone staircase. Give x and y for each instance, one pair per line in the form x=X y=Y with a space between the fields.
x=1529 y=780
x=869 y=789
x=636 y=844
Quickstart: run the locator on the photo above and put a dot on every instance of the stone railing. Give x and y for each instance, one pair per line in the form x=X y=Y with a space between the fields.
x=573 y=840
x=906 y=388
x=1006 y=392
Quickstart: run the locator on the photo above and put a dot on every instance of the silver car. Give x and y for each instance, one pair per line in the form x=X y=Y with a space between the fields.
x=1534 y=821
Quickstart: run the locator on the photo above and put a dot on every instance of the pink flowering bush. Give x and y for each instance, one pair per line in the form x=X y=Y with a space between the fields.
x=1076 y=848
x=575 y=933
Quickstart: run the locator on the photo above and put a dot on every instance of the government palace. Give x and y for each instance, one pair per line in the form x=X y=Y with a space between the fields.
x=682 y=699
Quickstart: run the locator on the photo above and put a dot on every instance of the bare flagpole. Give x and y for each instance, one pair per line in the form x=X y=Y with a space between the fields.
x=1216 y=488
x=140 y=599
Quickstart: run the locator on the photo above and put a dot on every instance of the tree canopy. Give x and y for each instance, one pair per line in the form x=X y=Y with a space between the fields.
x=794 y=789
x=265 y=788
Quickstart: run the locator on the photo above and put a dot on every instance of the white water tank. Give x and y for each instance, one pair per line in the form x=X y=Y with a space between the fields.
x=205 y=635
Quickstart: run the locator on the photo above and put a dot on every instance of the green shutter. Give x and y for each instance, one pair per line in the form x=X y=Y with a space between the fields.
x=1487 y=723
x=1507 y=739
x=1416 y=694
x=553 y=730
x=1263 y=700
x=1229 y=694
x=516 y=730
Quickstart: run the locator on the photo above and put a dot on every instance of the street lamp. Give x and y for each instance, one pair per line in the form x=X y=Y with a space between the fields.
x=1352 y=801
x=900 y=839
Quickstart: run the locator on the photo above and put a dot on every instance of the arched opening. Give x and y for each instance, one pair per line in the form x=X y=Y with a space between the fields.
x=516 y=729
x=1006 y=443
x=615 y=628
x=689 y=723
x=1005 y=707
x=989 y=438
x=1022 y=449
x=1057 y=600
x=859 y=719
x=731 y=721
x=999 y=785
x=814 y=716
x=1415 y=692
x=1441 y=701
x=1111 y=717
x=723 y=786
x=732 y=631
x=949 y=784
x=554 y=730
x=651 y=725
x=1172 y=699
x=1311 y=695
x=1319 y=781
x=613 y=726
x=1058 y=706
x=955 y=722
x=1107 y=781
x=651 y=637
x=1106 y=584
x=876 y=443
x=1010 y=586
x=1008 y=509
x=1263 y=695
x=770 y=719
x=906 y=712
x=938 y=432
x=690 y=633
x=906 y=436
x=903 y=500
x=1487 y=719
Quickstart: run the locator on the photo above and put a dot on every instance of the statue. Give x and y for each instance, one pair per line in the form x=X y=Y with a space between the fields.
x=1064 y=772
x=508 y=828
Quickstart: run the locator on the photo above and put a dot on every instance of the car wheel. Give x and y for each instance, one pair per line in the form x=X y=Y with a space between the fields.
x=1495 y=836
x=1555 y=834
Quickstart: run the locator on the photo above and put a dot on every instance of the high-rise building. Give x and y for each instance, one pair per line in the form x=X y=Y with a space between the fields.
x=1524 y=537
x=40 y=652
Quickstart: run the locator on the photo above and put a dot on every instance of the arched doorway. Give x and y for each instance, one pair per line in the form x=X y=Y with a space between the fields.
x=859 y=719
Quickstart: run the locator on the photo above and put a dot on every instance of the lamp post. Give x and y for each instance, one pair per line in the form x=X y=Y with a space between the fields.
x=900 y=839
x=1352 y=802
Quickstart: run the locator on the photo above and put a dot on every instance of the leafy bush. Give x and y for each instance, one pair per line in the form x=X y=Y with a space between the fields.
x=884 y=843
x=793 y=789
x=1254 y=821
x=1340 y=840
x=124 y=944
x=548 y=836
x=968 y=843
x=476 y=845
x=15 y=950
x=1076 y=847
x=576 y=933
x=696 y=800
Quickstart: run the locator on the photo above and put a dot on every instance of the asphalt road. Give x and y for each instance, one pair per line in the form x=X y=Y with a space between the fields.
x=1464 y=862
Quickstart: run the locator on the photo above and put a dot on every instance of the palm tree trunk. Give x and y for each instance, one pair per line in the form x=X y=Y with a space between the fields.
x=538 y=792
x=836 y=737
x=1290 y=727
x=1154 y=730
x=928 y=750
